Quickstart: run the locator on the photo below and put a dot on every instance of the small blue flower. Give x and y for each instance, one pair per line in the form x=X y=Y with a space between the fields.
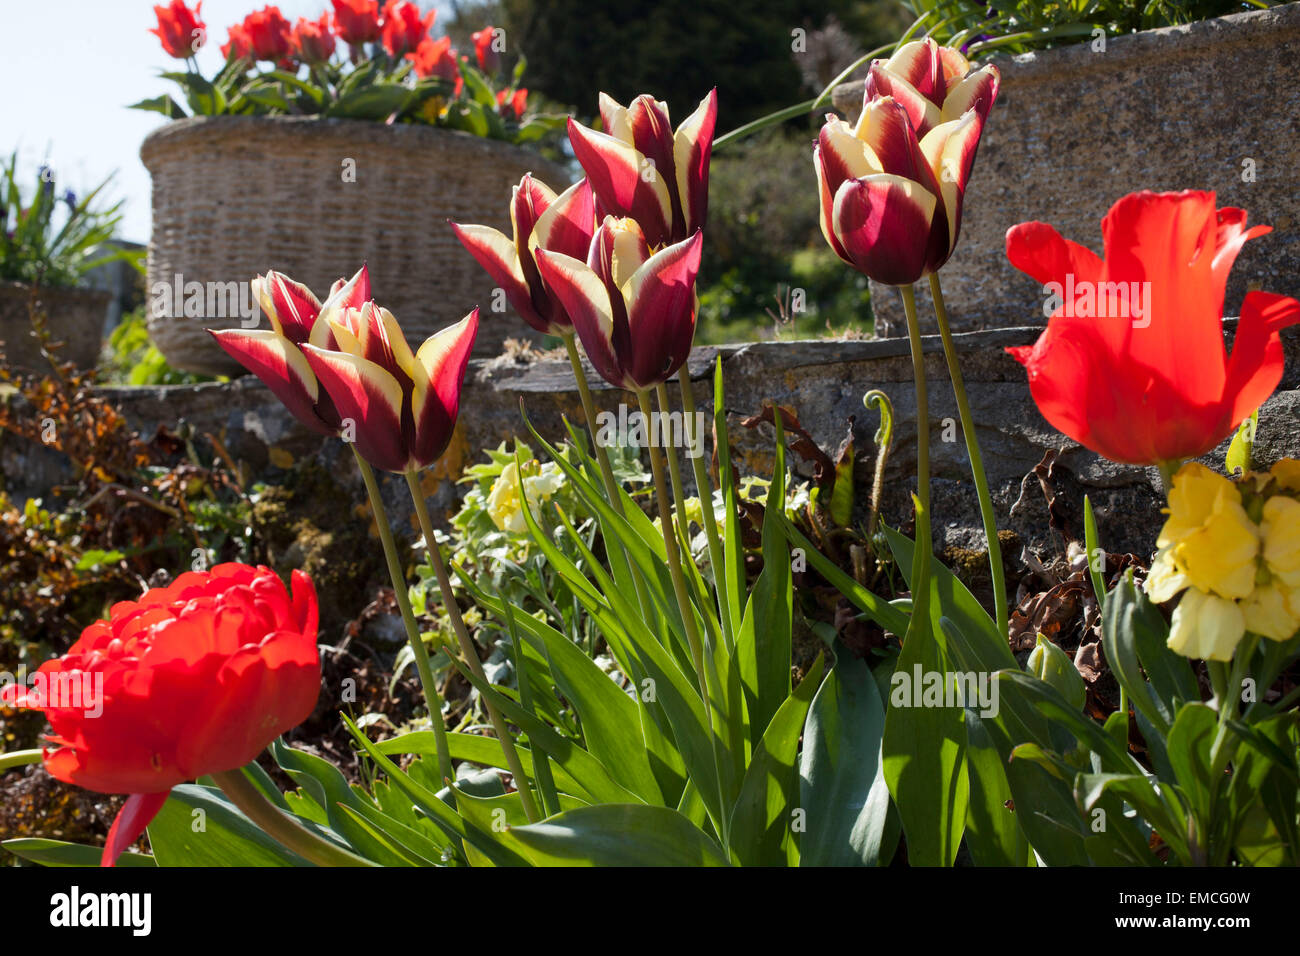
x=70 y=198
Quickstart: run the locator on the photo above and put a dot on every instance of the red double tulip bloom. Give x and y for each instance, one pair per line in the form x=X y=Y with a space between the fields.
x=179 y=28
x=1132 y=364
x=270 y=34
x=357 y=21
x=541 y=220
x=313 y=40
x=634 y=311
x=192 y=679
x=639 y=168
x=402 y=29
x=892 y=187
x=512 y=103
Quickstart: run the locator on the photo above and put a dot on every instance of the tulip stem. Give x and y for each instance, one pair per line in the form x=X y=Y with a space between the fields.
x=280 y=825
x=683 y=600
x=1167 y=471
x=606 y=471
x=976 y=459
x=921 y=552
x=704 y=488
x=467 y=650
x=19 y=758
x=422 y=665
x=674 y=466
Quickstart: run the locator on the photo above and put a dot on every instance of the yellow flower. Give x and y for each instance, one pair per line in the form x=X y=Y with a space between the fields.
x=1287 y=473
x=1208 y=542
x=504 y=506
x=1269 y=611
x=1280 y=529
x=1206 y=626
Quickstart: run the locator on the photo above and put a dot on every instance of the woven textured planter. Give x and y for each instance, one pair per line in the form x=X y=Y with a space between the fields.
x=236 y=196
x=74 y=317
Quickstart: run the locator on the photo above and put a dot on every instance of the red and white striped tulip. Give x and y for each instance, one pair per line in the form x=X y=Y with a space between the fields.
x=403 y=403
x=640 y=168
x=892 y=186
x=541 y=220
x=275 y=355
x=633 y=310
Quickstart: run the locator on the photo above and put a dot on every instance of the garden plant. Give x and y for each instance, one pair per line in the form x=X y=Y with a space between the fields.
x=638 y=599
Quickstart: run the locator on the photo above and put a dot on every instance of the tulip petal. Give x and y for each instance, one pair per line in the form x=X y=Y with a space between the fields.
x=827 y=206
x=950 y=149
x=436 y=384
x=1040 y=252
x=1256 y=364
x=619 y=175
x=892 y=144
x=977 y=91
x=496 y=253
x=283 y=369
x=367 y=396
x=882 y=222
x=290 y=306
x=586 y=299
x=567 y=224
x=652 y=135
x=917 y=63
x=136 y=814
x=353 y=293
x=1231 y=235
x=660 y=300
x=844 y=154
x=923 y=113
x=692 y=152
x=614 y=117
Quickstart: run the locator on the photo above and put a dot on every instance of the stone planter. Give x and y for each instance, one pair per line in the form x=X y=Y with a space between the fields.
x=315 y=198
x=74 y=317
x=1205 y=106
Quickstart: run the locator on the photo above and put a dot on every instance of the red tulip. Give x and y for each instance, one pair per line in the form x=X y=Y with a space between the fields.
x=435 y=58
x=512 y=103
x=313 y=40
x=192 y=679
x=489 y=59
x=892 y=187
x=238 y=44
x=357 y=21
x=1132 y=365
x=179 y=28
x=541 y=220
x=404 y=403
x=640 y=168
x=270 y=34
x=635 y=312
x=275 y=356
x=402 y=29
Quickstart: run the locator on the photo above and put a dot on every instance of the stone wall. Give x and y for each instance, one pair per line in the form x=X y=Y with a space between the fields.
x=823 y=380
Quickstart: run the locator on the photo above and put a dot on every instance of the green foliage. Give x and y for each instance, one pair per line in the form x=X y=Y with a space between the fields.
x=130 y=358
x=52 y=240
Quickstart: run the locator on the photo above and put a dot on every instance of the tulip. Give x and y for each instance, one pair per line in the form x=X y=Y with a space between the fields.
x=313 y=40
x=541 y=220
x=435 y=58
x=404 y=404
x=639 y=168
x=270 y=34
x=238 y=45
x=402 y=29
x=489 y=60
x=512 y=103
x=1160 y=387
x=275 y=356
x=633 y=311
x=892 y=186
x=357 y=21
x=179 y=28
x=192 y=679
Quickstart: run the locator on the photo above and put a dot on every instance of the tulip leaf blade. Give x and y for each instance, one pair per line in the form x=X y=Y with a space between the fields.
x=199 y=826
x=62 y=853
x=617 y=834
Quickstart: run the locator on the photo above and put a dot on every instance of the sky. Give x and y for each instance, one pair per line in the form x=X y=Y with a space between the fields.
x=70 y=68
